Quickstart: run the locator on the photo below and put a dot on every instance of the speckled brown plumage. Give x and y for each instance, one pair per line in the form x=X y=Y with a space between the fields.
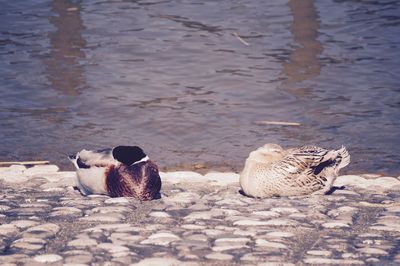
x=272 y=171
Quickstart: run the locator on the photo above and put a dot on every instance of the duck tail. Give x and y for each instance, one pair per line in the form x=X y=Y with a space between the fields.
x=344 y=157
x=74 y=160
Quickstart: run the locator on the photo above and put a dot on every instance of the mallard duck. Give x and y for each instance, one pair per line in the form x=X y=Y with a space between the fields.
x=123 y=171
x=272 y=171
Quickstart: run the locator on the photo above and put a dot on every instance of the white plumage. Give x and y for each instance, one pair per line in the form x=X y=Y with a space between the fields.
x=272 y=171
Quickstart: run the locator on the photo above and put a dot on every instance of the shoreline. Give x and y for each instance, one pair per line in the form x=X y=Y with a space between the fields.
x=51 y=172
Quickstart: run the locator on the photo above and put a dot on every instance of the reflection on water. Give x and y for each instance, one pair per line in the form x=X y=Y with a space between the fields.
x=303 y=61
x=64 y=71
x=173 y=77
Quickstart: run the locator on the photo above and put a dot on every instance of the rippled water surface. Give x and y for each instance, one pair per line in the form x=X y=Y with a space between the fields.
x=193 y=82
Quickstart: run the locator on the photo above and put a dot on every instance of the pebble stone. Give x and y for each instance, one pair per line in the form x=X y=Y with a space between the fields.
x=162 y=239
x=159 y=214
x=269 y=244
x=280 y=234
x=29 y=243
x=373 y=251
x=47 y=258
x=219 y=256
x=199 y=220
x=335 y=225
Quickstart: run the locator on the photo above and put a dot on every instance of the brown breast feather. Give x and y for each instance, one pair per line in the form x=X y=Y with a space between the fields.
x=141 y=181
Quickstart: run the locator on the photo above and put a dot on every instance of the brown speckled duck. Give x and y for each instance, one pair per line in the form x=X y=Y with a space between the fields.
x=272 y=171
x=123 y=171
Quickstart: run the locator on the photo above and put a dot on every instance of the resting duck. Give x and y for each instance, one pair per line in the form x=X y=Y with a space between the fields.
x=272 y=171
x=123 y=171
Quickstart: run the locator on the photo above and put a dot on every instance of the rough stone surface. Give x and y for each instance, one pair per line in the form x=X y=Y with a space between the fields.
x=199 y=220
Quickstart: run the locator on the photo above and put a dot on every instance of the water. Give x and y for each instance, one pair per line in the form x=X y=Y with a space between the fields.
x=178 y=78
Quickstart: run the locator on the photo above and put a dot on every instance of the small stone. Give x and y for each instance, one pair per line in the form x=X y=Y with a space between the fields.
x=41 y=169
x=223 y=244
x=267 y=214
x=66 y=211
x=280 y=234
x=76 y=257
x=193 y=227
x=234 y=202
x=229 y=241
x=112 y=248
x=162 y=239
x=120 y=200
x=265 y=243
x=213 y=232
x=120 y=227
x=8 y=230
x=82 y=242
x=46 y=258
x=325 y=253
x=158 y=262
x=229 y=212
x=322 y=261
x=29 y=243
x=109 y=217
x=13 y=174
x=341 y=211
x=205 y=215
x=12 y=259
x=182 y=198
x=251 y=222
x=49 y=227
x=22 y=224
x=372 y=260
x=199 y=207
x=125 y=238
x=349 y=255
x=159 y=214
x=4 y=208
x=381 y=183
x=224 y=248
x=373 y=251
x=197 y=237
x=219 y=256
x=335 y=225
x=386 y=228
x=109 y=210
x=222 y=179
x=297 y=216
x=277 y=261
x=284 y=210
x=395 y=208
x=78 y=260
x=250 y=257
x=240 y=232
x=281 y=222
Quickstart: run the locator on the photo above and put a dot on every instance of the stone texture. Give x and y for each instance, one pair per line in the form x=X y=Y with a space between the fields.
x=47 y=258
x=200 y=220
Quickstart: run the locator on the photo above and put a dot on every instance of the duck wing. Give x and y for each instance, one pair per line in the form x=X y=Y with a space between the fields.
x=318 y=159
x=313 y=166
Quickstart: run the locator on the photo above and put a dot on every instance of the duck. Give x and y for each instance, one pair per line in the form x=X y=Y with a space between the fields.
x=122 y=171
x=271 y=171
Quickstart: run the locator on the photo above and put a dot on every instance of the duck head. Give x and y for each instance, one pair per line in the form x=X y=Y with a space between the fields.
x=267 y=153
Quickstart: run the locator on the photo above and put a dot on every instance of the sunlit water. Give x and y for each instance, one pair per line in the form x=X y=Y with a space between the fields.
x=192 y=81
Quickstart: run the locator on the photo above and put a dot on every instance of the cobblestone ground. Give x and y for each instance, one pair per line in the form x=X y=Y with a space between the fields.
x=200 y=220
